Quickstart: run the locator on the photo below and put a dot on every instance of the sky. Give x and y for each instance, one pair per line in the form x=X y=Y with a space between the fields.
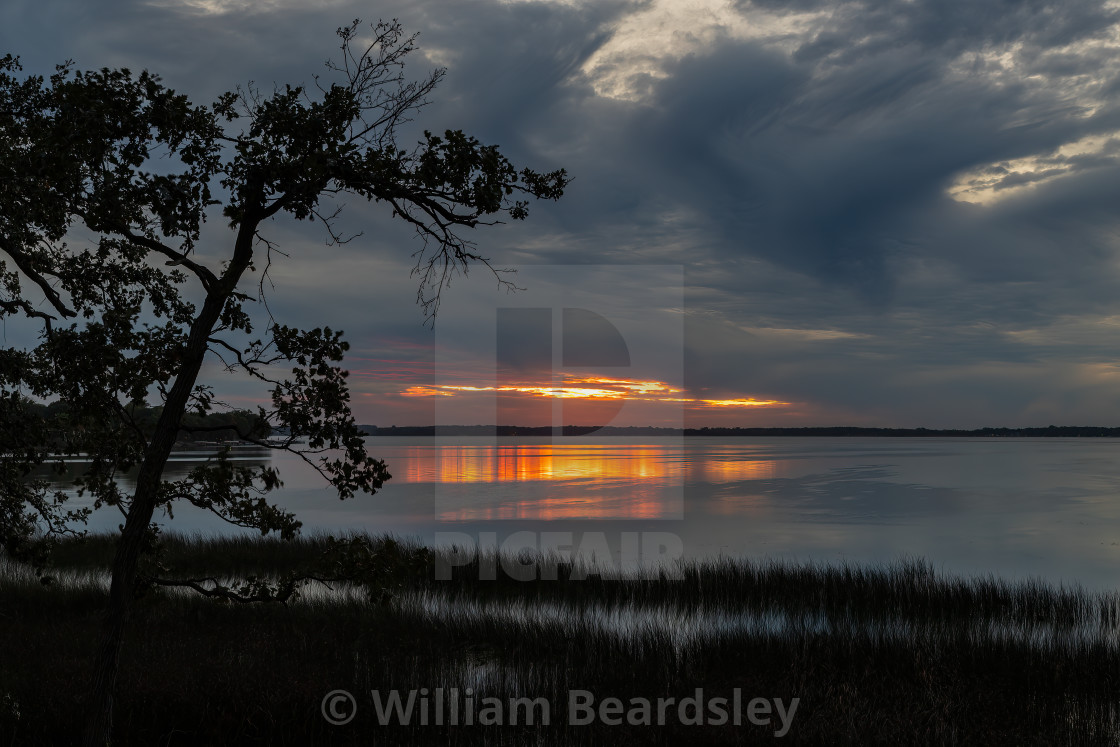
x=794 y=213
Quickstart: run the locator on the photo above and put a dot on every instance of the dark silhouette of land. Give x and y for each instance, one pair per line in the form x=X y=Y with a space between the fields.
x=1052 y=431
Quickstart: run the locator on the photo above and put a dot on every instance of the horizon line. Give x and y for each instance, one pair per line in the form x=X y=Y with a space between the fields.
x=590 y=428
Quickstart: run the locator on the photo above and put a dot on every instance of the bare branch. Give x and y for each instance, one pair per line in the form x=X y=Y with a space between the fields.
x=248 y=364
x=23 y=262
x=19 y=304
x=204 y=274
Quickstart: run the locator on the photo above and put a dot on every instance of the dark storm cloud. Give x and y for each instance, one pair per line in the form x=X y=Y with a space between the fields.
x=828 y=162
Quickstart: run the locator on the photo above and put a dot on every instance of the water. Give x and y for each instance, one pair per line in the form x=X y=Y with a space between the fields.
x=1017 y=508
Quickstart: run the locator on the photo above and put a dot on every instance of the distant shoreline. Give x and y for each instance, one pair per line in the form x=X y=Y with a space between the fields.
x=1072 y=431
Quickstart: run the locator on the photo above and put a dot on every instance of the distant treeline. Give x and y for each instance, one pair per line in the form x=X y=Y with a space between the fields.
x=214 y=426
x=1052 y=431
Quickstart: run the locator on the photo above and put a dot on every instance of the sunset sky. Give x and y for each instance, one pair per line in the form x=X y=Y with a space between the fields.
x=896 y=213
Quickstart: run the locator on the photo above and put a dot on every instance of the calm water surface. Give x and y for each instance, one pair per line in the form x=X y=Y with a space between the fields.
x=1013 y=507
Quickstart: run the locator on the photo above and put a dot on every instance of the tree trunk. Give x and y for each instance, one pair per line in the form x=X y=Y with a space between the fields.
x=122 y=590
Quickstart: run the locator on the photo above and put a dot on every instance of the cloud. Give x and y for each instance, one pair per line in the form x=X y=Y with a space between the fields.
x=897 y=212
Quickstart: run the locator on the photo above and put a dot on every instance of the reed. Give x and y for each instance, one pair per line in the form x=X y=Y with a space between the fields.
x=884 y=654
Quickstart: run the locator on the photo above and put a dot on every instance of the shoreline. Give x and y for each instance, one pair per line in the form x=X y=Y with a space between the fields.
x=506 y=431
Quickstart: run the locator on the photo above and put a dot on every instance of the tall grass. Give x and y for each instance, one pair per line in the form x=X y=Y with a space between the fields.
x=892 y=654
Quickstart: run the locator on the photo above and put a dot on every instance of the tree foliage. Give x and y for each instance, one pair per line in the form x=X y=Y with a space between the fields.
x=106 y=180
x=139 y=167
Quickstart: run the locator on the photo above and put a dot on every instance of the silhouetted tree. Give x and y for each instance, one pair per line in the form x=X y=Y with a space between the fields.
x=139 y=167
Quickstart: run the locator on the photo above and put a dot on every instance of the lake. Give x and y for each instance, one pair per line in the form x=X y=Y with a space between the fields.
x=1014 y=507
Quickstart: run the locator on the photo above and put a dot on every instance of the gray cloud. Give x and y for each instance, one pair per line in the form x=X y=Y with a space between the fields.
x=804 y=183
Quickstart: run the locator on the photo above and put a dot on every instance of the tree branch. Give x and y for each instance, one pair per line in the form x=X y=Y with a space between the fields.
x=249 y=365
x=23 y=262
x=204 y=274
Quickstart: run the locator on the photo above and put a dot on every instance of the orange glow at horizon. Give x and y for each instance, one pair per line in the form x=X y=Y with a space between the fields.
x=593 y=388
x=747 y=402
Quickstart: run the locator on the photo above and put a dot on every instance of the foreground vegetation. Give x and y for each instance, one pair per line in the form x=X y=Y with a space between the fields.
x=895 y=654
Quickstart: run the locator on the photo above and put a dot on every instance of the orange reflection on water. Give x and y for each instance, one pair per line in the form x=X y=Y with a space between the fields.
x=572 y=504
x=724 y=470
x=567 y=481
x=540 y=462
x=549 y=481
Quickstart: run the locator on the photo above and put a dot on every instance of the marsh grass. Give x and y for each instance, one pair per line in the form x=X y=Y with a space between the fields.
x=892 y=654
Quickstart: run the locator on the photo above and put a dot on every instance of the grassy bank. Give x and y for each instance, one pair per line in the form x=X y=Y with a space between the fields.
x=895 y=654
